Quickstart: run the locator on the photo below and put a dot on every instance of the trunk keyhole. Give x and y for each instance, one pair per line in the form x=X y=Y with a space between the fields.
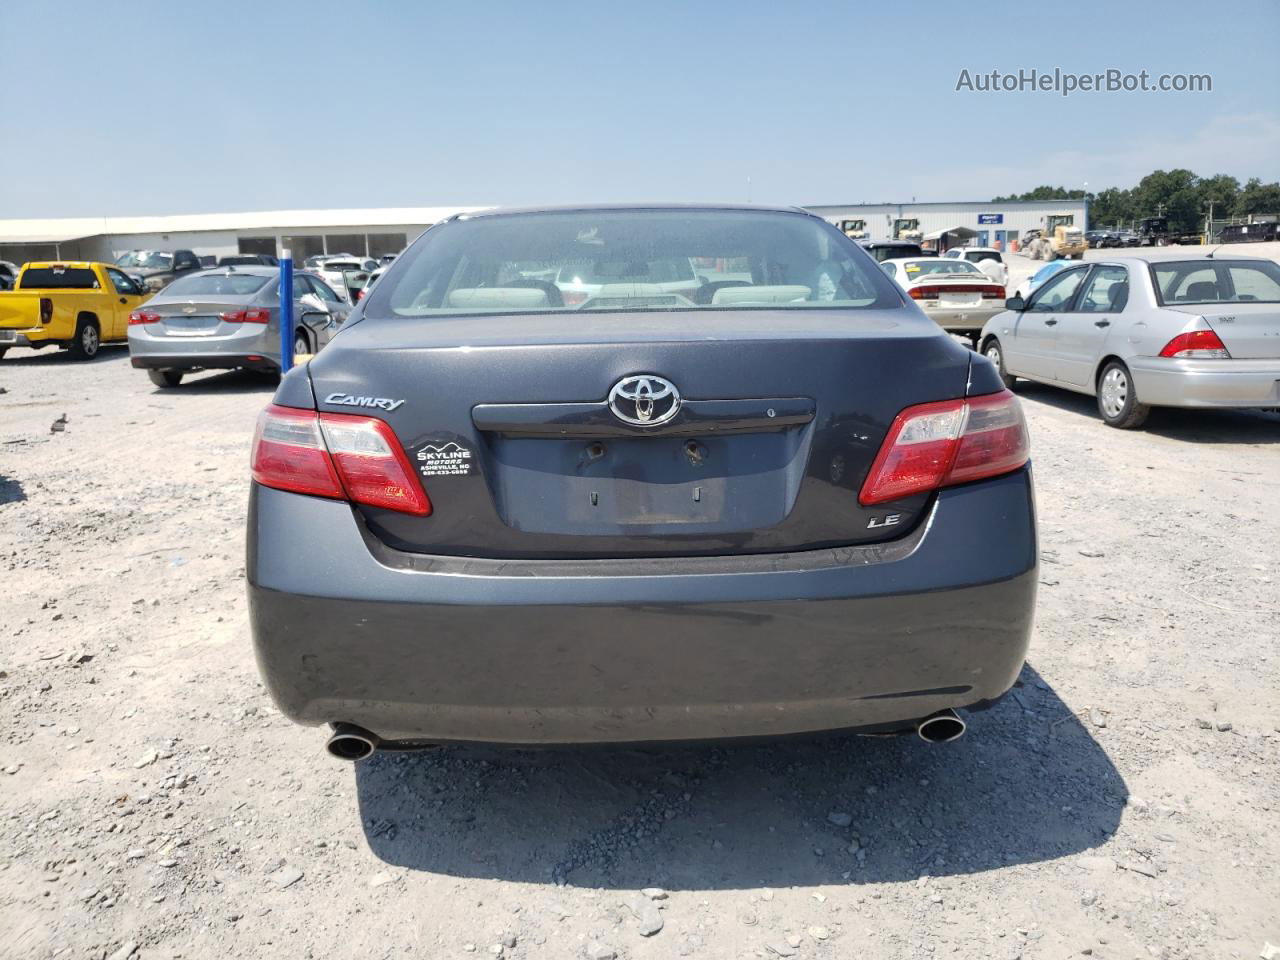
x=595 y=450
x=695 y=451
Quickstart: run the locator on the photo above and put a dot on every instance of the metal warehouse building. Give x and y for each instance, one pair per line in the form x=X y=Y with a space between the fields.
x=375 y=232
x=305 y=232
x=981 y=223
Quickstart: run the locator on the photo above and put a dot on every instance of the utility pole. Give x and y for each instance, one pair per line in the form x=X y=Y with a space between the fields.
x=1208 y=225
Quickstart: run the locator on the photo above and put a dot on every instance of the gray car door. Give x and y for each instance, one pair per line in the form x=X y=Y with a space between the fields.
x=1032 y=351
x=1082 y=330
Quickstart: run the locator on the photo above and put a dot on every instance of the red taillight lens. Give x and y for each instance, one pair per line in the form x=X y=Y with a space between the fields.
x=573 y=297
x=1196 y=345
x=935 y=445
x=289 y=453
x=46 y=310
x=252 y=315
x=335 y=455
x=993 y=292
x=143 y=316
x=923 y=293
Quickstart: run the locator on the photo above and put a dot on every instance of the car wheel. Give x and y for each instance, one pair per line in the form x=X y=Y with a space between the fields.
x=1118 y=400
x=165 y=378
x=301 y=345
x=88 y=340
x=993 y=353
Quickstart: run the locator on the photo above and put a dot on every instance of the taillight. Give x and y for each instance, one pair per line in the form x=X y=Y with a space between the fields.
x=993 y=291
x=1196 y=345
x=360 y=294
x=573 y=297
x=143 y=316
x=923 y=293
x=252 y=315
x=936 y=445
x=335 y=455
x=46 y=310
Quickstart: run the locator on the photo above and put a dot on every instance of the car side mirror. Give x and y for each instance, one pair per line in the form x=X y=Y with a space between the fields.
x=1015 y=303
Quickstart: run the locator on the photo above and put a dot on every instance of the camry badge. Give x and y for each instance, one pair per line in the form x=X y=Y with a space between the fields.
x=644 y=400
x=378 y=403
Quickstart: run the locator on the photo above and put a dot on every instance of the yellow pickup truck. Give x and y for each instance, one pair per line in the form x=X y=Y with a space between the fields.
x=78 y=306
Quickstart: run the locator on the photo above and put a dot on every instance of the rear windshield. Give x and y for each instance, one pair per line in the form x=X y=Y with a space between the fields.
x=146 y=259
x=920 y=268
x=630 y=260
x=248 y=260
x=58 y=278
x=204 y=284
x=977 y=256
x=1217 y=281
x=342 y=265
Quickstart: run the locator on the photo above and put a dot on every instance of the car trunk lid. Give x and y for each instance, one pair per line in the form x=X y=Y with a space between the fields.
x=1249 y=331
x=507 y=421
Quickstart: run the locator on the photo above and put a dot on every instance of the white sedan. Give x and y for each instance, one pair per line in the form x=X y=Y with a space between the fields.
x=1136 y=333
x=955 y=294
x=987 y=259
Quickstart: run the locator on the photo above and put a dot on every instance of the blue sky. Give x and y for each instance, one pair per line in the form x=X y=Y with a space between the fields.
x=191 y=108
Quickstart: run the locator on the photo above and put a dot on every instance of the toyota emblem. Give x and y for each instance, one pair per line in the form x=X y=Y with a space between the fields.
x=644 y=400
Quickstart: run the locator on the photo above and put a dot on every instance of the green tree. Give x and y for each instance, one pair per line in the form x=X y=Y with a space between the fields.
x=1111 y=207
x=1257 y=197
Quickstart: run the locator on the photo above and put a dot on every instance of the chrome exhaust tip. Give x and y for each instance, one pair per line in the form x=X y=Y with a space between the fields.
x=349 y=742
x=941 y=727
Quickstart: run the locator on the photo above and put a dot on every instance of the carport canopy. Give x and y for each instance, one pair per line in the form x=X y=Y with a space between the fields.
x=956 y=233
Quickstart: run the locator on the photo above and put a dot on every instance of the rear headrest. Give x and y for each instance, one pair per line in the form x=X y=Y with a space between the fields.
x=1201 y=290
x=517 y=298
x=789 y=293
x=1118 y=296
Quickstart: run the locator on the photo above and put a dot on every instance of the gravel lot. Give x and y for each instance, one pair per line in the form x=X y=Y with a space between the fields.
x=1123 y=802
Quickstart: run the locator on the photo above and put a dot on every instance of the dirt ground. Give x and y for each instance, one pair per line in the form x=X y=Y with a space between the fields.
x=1123 y=802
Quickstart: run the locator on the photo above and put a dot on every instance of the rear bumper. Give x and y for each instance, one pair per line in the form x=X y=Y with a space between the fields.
x=1167 y=382
x=451 y=649
x=254 y=346
x=14 y=338
x=211 y=361
x=967 y=320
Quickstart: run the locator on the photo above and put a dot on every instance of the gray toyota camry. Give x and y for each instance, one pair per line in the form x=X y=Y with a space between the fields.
x=626 y=474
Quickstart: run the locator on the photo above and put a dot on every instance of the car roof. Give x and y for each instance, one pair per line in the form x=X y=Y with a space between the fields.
x=606 y=207
x=915 y=259
x=250 y=269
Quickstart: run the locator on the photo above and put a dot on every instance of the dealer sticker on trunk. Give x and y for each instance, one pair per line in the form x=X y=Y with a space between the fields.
x=447 y=458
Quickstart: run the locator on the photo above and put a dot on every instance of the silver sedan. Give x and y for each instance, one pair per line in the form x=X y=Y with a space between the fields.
x=1139 y=333
x=229 y=318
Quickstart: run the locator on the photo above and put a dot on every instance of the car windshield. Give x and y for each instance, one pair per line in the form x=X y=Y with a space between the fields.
x=1217 y=281
x=977 y=256
x=629 y=260
x=208 y=284
x=1048 y=270
x=339 y=265
x=914 y=269
x=145 y=259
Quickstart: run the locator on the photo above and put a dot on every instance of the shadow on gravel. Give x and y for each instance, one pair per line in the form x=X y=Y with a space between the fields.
x=220 y=382
x=1025 y=785
x=11 y=490
x=52 y=356
x=1193 y=426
